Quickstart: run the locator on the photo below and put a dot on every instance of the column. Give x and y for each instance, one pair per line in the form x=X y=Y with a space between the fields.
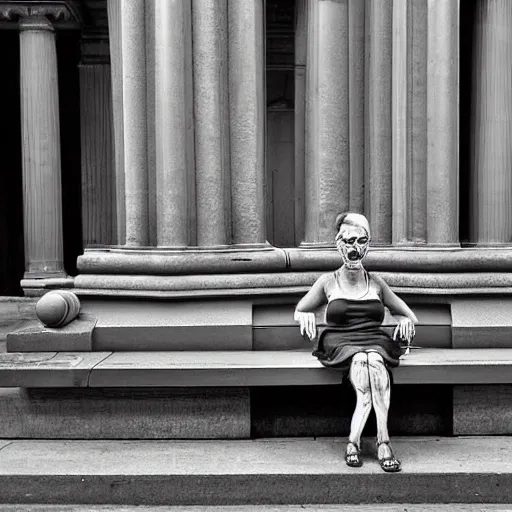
x=356 y=59
x=99 y=224
x=491 y=124
x=42 y=194
x=443 y=122
x=301 y=9
x=172 y=64
x=211 y=114
x=126 y=22
x=247 y=120
x=327 y=157
x=399 y=124
x=378 y=148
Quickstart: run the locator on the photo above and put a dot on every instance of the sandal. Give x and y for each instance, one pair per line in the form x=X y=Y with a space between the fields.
x=352 y=459
x=389 y=464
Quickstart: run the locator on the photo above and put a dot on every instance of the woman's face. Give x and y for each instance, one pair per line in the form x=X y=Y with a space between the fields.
x=352 y=243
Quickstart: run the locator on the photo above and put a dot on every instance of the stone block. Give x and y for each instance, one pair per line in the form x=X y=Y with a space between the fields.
x=482 y=410
x=482 y=322
x=130 y=413
x=73 y=337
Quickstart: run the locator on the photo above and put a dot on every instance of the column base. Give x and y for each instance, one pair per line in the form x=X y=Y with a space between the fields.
x=35 y=286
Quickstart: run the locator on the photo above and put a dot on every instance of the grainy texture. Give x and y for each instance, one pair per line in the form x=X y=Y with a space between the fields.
x=378 y=150
x=171 y=118
x=99 y=224
x=482 y=410
x=125 y=413
x=247 y=119
x=443 y=122
x=211 y=114
x=491 y=124
x=327 y=119
x=42 y=193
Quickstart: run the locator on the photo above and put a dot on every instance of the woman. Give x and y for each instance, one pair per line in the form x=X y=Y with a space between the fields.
x=352 y=338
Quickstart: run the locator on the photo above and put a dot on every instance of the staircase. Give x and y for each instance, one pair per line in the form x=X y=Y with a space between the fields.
x=219 y=402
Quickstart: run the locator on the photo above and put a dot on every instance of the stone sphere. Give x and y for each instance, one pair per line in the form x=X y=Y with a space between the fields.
x=57 y=308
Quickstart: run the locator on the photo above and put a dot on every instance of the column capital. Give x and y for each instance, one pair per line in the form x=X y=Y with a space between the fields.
x=63 y=14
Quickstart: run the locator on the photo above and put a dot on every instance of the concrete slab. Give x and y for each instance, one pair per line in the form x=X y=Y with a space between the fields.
x=482 y=410
x=150 y=413
x=48 y=369
x=73 y=337
x=481 y=322
x=280 y=368
x=277 y=471
x=167 y=325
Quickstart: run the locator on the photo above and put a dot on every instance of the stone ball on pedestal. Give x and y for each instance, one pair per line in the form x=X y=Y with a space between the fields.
x=57 y=308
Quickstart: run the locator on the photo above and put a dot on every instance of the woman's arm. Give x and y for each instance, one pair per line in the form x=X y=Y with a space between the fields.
x=399 y=308
x=304 y=312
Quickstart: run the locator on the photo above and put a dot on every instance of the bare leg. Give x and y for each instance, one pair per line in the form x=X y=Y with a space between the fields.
x=381 y=395
x=360 y=379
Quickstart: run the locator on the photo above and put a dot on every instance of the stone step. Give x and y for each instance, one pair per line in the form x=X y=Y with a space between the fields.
x=263 y=472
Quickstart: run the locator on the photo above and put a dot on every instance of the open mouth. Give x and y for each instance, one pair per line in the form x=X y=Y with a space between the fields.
x=353 y=256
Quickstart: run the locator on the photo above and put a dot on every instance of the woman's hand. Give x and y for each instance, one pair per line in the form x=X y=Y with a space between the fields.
x=307 y=323
x=405 y=331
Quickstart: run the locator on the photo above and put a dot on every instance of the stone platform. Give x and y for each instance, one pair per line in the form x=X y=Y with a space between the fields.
x=278 y=471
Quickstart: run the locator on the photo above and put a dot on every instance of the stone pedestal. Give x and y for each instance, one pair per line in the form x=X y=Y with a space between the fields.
x=327 y=119
x=491 y=124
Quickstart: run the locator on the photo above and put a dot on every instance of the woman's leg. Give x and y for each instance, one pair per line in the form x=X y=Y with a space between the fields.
x=360 y=379
x=381 y=396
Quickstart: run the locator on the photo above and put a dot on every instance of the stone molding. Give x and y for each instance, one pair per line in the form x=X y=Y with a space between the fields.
x=63 y=14
x=94 y=48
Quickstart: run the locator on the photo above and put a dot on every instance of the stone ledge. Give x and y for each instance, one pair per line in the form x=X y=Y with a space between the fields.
x=239 y=368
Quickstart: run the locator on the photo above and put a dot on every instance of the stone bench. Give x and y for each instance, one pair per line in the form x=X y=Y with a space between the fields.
x=238 y=368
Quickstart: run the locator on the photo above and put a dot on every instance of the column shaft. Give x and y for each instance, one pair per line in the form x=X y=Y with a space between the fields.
x=378 y=152
x=491 y=124
x=42 y=193
x=356 y=53
x=134 y=121
x=400 y=124
x=247 y=119
x=327 y=171
x=301 y=10
x=211 y=113
x=98 y=178
x=172 y=121
x=116 y=69
x=443 y=122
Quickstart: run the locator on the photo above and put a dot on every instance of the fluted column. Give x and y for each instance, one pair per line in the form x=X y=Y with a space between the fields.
x=356 y=58
x=443 y=122
x=378 y=148
x=98 y=178
x=42 y=193
x=211 y=114
x=126 y=25
x=491 y=124
x=247 y=119
x=327 y=168
x=301 y=9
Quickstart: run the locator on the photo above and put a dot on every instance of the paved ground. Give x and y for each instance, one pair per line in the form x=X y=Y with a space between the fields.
x=263 y=508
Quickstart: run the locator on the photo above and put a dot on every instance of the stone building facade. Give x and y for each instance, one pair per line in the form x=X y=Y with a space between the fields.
x=205 y=146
